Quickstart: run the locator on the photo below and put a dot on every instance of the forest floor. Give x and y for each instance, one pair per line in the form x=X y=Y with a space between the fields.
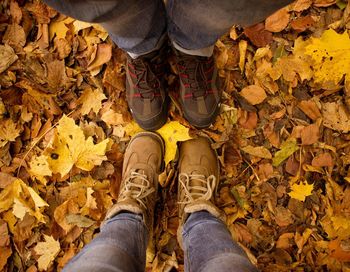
x=282 y=137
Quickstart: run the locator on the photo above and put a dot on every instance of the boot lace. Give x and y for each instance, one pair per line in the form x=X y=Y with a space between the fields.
x=195 y=73
x=138 y=187
x=146 y=80
x=203 y=191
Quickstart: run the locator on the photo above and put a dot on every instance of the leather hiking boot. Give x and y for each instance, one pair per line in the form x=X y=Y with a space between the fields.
x=142 y=165
x=199 y=89
x=145 y=89
x=198 y=179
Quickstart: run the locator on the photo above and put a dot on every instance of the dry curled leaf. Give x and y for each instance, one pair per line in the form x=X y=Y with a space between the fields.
x=48 y=251
x=254 y=94
x=277 y=21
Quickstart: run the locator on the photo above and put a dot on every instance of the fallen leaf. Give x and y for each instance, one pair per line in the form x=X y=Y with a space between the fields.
x=258 y=35
x=301 y=5
x=242 y=53
x=7 y=57
x=336 y=116
x=68 y=207
x=14 y=36
x=301 y=191
x=91 y=100
x=70 y=147
x=48 y=251
x=25 y=198
x=112 y=118
x=283 y=216
x=103 y=55
x=310 y=134
x=254 y=94
x=258 y=151
x=300 y=240
x=8 y=131
x=302 y=23
x=265 y=171
x=287 y=149
x=79 y=220
x=39 y=168
x=339 y=250
x=285 y=241
x=6 y=253
x=323 y=160
x=324 y=3
x=277 y=21
x=59 y=28
x=330 y=56
x=291 y=66
x=309 y=107
x=173 y=132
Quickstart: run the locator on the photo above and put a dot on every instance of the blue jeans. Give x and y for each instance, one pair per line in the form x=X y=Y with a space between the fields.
x=121 y=246
x=138 y=25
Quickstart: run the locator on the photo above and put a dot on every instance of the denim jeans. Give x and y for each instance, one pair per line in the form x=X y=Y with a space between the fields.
x=138 y=25
x=121 y=247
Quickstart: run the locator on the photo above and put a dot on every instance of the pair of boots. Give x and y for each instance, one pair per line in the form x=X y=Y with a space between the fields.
x=197 y=181
x=198 y=94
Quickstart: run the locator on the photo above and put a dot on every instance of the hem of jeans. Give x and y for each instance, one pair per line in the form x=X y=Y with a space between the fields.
x=159 y=44
x=202 y=52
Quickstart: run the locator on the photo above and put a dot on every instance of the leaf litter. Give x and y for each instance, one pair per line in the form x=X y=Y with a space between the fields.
x=282 y=138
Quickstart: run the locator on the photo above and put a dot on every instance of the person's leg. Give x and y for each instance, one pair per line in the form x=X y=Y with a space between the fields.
x=208 y=246
x=121 y=246
x=196 y=25
x=202 y=234
x=134 y=25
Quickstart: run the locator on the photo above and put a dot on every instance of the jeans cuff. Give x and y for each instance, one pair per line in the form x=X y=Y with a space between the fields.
x=160 y=43
x=202 y=52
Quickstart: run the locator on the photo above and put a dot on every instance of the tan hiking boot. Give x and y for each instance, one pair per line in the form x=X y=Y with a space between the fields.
x=142 y=165
x=198 y=179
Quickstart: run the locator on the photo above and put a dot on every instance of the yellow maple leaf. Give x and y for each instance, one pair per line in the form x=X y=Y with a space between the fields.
x=301 y=191
x=39 y=168
x=70 y=147
x=172 y=133
x=59 y=28
x=91 y=100
x=8 y=132
x=23 y=199
x=330 y=55
x=48 y=251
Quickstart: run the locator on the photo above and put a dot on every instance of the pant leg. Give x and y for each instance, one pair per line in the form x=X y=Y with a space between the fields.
x=195 y=24
x=209 y=246
x=120 y=247
x=134 y=25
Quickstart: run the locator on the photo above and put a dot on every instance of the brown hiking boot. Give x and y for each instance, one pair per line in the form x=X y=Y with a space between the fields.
x=199 y=89
x=142 y=165
x=145 y=89
x=198 y=180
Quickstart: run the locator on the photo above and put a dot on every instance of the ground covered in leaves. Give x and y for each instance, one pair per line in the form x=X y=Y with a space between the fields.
x=282 y=137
